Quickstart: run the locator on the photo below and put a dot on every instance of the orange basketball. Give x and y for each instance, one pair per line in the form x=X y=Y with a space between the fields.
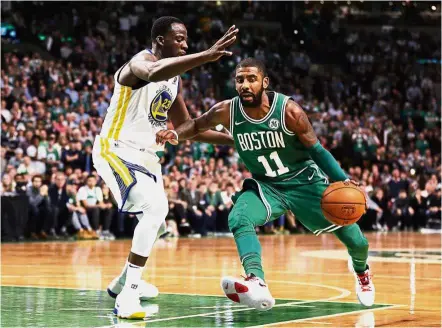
x=343 y=203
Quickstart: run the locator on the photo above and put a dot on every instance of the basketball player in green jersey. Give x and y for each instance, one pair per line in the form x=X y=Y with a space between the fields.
x=274 y=138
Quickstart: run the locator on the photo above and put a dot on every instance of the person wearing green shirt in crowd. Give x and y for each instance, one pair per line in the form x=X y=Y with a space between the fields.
x=360 y=143
x=432 y=119
x=202 y=150
x=56 y=109
x=422 y=143
x=407 y=113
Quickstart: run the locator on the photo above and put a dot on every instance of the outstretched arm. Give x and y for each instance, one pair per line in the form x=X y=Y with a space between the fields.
x=147 y=68
x=298 y=123
x=197 y=129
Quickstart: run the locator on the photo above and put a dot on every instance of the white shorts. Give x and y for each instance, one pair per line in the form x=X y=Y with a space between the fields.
x=122 y=168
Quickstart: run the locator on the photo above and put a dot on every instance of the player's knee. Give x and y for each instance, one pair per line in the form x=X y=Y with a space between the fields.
x=362 y=244
x=240 y=221
x=358 y=243
x=161 y=207
x=157 y=206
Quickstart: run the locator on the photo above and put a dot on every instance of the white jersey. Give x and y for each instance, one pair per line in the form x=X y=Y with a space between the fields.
x=134 y=116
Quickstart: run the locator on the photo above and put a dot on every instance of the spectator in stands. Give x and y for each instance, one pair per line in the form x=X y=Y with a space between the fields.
x=433 y=211
x=396 y=184
x=80 y=221
x=418 y=206
x=402 y=211
x=90 y=197
x=215 y=207
x=377 y=111
x=40 y=220
x=108 y=210
x=59 y=204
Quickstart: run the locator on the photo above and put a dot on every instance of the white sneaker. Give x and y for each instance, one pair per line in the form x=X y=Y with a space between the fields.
x=127 y=306
x=251 y=291
x=364 y=285
x=146 y=290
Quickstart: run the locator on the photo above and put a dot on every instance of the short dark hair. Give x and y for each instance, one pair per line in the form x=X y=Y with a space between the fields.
x=91 y=176
x=162 y=25
x=253 y=62
x=37 y=176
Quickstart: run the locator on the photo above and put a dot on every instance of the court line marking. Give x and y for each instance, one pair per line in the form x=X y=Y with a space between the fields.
x=329 y=299
x=251 y=309
x=344 y=292
x=332 y=299
x=216 y=270
x=85 y=309
x=341 y=254
x=326 y=316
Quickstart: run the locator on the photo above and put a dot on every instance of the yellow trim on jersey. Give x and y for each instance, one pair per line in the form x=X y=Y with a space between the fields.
x=123 y=113
x=120 y=112
x=115 y=162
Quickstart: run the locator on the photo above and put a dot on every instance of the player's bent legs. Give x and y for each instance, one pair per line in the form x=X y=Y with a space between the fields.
x=150 y=198
x=306 y=205
x=357 y=245
x=247 y=213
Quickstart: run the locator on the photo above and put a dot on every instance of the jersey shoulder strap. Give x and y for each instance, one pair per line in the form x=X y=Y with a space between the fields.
x=285 y=100
x=235 y=113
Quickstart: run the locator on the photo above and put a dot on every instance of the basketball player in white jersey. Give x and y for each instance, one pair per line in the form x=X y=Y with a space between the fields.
x=148 y=90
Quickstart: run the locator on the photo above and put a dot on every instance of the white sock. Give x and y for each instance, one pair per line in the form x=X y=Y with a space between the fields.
x=122 y=276
x=133 y=277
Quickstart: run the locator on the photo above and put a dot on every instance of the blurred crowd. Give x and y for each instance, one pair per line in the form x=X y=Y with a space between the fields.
x=377 y=112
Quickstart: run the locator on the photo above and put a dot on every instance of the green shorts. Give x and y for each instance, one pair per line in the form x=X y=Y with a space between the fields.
x=301 y=195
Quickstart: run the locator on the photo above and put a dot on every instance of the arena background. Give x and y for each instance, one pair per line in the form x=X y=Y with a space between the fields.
x=367 y=73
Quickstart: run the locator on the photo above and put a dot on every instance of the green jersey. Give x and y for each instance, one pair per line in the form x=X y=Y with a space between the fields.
x=268 y=149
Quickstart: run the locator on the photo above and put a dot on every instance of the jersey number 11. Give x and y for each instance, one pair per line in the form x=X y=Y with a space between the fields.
x=269 y=172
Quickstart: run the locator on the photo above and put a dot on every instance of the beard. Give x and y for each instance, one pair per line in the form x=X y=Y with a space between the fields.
x=256 y=99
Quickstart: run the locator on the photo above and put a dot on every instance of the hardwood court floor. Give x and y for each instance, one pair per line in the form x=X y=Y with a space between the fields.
x=308 y=275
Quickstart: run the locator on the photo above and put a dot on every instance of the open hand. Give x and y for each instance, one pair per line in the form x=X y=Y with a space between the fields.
x=219 y=48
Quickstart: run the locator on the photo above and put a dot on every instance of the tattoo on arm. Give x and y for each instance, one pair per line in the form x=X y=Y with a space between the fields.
x=216 y=115
x=298 y=122
x=206 y=121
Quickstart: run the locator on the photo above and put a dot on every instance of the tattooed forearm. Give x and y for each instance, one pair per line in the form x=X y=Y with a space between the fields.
x=206 y=121
x=218 y=114
x=298 y=122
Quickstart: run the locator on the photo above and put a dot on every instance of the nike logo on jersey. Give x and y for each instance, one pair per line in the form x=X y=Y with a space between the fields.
x=262 y=285
x=239 y=123
x=311 y=177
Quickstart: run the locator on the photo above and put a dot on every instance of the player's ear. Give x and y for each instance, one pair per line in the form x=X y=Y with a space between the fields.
x=266 y=82
x=160 y=40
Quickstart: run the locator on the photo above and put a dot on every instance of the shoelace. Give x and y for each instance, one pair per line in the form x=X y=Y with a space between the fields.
x=364 y=281
x=249 y=278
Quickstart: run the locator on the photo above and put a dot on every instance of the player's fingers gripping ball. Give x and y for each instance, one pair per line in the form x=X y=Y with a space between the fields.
x=343 y=203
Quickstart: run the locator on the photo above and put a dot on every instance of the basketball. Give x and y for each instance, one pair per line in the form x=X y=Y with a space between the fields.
x=343 y=203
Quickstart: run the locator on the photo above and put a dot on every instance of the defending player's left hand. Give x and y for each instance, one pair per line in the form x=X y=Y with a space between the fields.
x=164 y=136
